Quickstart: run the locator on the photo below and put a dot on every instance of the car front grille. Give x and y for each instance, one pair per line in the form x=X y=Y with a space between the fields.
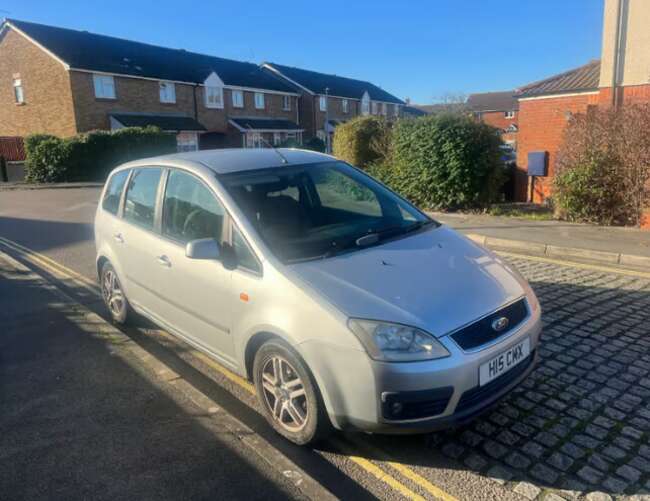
x=478 y=394
x=481 y=332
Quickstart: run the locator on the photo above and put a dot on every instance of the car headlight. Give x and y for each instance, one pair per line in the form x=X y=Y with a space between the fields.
x=395 y=342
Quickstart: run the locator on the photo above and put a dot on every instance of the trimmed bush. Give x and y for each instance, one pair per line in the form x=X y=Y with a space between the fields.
x=446 y=161
x=603 y=168
x=314 y=144
x=362 y=140
x=91 y=156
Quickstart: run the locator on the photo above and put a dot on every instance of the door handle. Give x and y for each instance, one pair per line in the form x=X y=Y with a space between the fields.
x=164 y=261
x=118 y=238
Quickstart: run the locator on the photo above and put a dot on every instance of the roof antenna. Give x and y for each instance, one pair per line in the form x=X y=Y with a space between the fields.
x=277 y=152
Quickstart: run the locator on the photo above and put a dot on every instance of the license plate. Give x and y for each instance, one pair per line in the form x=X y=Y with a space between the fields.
x=503 y=362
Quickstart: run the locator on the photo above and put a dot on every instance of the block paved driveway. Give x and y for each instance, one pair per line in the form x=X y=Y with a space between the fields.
x=581 y=422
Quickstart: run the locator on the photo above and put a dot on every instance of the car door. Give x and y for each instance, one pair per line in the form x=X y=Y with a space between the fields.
x=197 y=292
x=136 y=239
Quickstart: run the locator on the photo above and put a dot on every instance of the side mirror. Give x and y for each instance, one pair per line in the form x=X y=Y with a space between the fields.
x=203 y=248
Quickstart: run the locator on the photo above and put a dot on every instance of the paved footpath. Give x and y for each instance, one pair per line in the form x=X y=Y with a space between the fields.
x=556 y=238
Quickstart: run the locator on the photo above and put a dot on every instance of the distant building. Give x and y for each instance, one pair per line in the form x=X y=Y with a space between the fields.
x=335 y=97
x=498 y=109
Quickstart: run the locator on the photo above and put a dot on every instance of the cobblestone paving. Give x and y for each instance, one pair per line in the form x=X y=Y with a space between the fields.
x=580 y=425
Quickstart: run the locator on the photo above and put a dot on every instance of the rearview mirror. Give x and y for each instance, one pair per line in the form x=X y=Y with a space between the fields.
x=203 y=248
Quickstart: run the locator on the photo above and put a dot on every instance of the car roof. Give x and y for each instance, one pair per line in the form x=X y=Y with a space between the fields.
x=229 y=160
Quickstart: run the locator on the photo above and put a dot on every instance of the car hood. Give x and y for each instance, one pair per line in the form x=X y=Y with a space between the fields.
x=437 y=280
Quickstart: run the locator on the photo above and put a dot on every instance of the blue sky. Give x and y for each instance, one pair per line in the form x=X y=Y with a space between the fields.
x=422 y=49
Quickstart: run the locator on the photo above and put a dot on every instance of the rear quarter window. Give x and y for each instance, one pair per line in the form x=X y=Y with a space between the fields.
x=113 y=194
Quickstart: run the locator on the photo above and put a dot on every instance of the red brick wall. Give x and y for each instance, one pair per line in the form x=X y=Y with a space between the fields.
x=541 y=125
x=627 y=95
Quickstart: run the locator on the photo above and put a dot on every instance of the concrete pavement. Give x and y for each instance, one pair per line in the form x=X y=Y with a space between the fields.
x=581 y=242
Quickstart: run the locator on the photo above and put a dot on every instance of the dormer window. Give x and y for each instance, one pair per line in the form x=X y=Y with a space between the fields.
x=167 y=92
x=365 y=104
x=214 y=97
x=213 y=91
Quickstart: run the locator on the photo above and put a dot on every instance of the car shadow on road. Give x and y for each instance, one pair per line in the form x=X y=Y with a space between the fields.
x=83 y=418
x=581 y=422
x=42 y=235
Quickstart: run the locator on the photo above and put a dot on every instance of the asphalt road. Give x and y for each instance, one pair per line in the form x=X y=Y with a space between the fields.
x=89 y=419
x=57 y=223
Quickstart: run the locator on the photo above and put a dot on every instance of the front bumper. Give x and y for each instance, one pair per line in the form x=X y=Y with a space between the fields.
x=357 y=390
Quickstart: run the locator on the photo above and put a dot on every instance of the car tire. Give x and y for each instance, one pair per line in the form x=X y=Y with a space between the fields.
x=288 y=394
x=113 y=295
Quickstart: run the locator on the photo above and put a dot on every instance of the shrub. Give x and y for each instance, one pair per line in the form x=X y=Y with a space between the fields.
x=603 y=166
x=362 y=140
x=91 y=156
x=46 y=157
x=446 y=161
x=314 y=144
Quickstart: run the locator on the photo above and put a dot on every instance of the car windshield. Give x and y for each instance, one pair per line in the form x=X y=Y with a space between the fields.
x=319 y=210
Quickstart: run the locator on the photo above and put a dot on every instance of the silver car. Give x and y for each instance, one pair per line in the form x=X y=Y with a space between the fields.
x=343 y=303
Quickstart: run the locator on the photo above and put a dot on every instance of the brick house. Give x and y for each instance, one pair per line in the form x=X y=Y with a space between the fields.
x=63 y=82
x=498 y=109
x=544 y=110
x=619 y=78
x=335 y=97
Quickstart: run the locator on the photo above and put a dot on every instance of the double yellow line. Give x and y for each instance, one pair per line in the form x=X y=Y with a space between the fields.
x=65 y=274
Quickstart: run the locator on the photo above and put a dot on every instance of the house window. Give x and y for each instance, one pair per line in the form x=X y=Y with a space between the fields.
x=277 y=138
x=323 y=103
x=396 y=106
x=104 y=86
x=214 y=97
x=509 y=114
x=286 y=103
x=167 y=92
x=19 y=95
x=237 y=99
x=365 y=104
x=259 y=100
x=253 y=140
x=187 y=141
x=375 y=108
x=384 y=109
x=344 y=105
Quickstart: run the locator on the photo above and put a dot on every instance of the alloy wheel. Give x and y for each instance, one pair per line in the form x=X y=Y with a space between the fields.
x=284 y=394
x=112 y=292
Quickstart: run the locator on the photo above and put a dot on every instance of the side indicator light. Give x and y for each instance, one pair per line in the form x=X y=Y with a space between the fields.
x=243 y=296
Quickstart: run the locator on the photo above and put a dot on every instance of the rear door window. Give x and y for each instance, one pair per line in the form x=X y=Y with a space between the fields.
x=111 y=202
x=140 y=202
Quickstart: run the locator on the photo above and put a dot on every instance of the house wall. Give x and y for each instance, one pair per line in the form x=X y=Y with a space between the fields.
x=46 y=84
x=142 y=96
x=335 y=111
x=541 y=127
x=132 y=95
x=634 y=64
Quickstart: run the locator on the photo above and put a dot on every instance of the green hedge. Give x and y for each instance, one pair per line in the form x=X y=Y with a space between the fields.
x=361 y=141
x=446 y=161
x=91 y=156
